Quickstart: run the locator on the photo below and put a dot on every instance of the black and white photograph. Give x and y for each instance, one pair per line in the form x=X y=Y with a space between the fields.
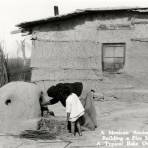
x=73 y=73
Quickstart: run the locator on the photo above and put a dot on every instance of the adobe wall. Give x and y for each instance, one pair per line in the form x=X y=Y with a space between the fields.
x=70 y=50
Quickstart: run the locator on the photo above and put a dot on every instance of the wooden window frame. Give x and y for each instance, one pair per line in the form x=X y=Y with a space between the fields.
x=123 y=44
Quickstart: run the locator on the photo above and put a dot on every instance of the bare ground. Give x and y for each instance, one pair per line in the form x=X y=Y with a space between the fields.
x=112 y=114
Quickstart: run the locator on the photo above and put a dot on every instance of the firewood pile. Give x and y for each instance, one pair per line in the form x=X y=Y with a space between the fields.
x=48 y=129
x=38 y=134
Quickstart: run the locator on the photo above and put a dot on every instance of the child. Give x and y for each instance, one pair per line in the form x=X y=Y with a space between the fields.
x=74 y=110
x=45 y=112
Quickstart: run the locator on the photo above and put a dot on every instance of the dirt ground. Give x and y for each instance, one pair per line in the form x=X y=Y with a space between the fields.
x=112 y=115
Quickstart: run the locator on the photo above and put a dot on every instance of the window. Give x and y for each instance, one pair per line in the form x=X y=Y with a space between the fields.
x=113 y=56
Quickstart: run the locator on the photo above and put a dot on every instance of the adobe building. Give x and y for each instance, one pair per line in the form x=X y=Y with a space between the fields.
x=103 y=48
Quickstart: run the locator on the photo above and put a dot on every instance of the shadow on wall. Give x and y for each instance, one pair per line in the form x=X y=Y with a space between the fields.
x=78 y=19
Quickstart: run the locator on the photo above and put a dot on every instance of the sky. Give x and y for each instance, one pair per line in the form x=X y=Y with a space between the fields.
x=13 y=12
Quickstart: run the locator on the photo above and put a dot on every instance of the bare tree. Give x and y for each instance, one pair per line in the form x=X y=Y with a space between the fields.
x=21 y=48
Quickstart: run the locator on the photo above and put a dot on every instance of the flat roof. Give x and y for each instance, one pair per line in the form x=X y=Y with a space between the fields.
x=30 y=24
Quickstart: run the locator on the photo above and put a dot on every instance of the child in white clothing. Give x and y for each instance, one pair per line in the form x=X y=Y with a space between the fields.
x=74 y=110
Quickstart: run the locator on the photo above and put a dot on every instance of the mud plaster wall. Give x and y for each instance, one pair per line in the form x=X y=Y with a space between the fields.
x=70 y=50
